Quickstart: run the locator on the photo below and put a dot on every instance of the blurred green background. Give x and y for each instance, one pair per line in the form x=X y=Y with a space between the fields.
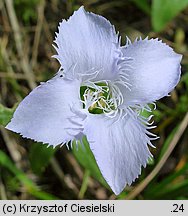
x=30 y=170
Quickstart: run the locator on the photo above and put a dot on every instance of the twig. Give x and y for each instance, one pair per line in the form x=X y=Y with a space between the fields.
x=19 y=46
x=171 y=147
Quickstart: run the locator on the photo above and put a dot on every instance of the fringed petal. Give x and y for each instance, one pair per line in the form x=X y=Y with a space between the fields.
x=150 y=71
x=48 y=113
x=87 y=46
x=120 y=147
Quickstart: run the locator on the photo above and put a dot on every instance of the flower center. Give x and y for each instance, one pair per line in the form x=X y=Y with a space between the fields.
x=99 y=98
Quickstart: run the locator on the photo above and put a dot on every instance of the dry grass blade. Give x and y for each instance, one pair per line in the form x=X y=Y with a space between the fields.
x=12 y=147
x=12 y=75
x=18 y=40
x=172 y=145
x=3 y=195
x=63 y=179
x=41 y=8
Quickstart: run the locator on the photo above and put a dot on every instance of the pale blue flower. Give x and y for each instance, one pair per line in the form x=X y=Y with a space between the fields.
x=100 y=76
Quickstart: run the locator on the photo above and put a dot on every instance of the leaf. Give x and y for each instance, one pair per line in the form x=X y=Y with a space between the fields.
x=29 y=185
x=6 y=114
x=169 y=185
x=85 y=157
x=39 y=156
x=143 y=5
x=184 y=78
x=27 y=9
x=163 y=11
x=167 y=142
x=84 y=184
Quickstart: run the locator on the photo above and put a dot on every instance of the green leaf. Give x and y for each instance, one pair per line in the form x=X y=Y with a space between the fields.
x=84 y=184
x=5 y=114
x=26 y=9
x=29 y=185
x=43 y=155
x=169 y=186
x=163 y=11
x=143 y=5
x=167 y=142
x=85 y=157
x=184 y=78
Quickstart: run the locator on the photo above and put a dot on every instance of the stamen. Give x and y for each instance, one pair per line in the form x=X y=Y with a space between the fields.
x=101 y=97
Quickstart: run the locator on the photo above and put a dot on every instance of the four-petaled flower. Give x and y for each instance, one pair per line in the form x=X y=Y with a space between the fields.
x=100 y=91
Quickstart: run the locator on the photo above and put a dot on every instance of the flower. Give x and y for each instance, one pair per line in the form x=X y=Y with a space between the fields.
x=100 y=91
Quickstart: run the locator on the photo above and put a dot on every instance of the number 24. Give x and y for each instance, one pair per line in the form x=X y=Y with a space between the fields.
x=178 y=208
